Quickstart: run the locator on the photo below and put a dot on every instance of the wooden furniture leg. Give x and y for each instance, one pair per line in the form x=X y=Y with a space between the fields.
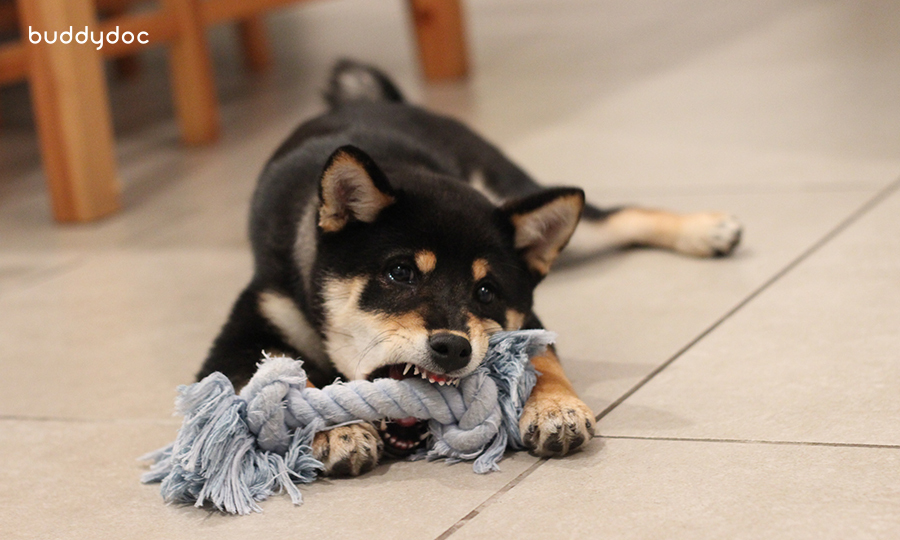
x=193 y=83
x=72 y=114
x=441 y=37
x=254 y=43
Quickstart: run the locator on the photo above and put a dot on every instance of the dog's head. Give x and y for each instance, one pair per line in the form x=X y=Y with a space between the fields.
x=416 y=271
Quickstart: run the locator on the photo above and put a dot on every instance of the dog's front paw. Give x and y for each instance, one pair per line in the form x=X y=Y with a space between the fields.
x=554 y=425
x=348 y=450
x=710 y=234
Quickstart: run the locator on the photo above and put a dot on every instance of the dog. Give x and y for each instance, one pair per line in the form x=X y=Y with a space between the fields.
x=392 y=242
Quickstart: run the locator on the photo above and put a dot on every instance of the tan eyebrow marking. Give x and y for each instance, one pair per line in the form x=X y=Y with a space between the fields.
x=480 y=269
x=425 y=261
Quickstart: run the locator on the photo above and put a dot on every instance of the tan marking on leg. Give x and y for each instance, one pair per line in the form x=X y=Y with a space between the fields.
x=514 y=319
x=426 y=261
x=702 y=234
x=554 y=421
x=651 y=227
x=480 y=269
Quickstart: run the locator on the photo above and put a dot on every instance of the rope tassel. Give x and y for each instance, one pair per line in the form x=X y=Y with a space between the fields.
x=235 y=450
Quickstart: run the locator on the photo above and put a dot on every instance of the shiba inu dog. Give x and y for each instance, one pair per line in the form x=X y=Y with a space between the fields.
x=392 y=242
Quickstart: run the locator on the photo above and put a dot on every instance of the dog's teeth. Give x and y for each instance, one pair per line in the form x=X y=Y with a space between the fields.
x=416 y=370
x=423 y=436
x=383 y=424
x=442 y=383
x=407 y=368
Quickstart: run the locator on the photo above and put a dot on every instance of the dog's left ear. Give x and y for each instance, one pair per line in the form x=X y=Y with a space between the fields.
x=352 y=188
x=544 y=223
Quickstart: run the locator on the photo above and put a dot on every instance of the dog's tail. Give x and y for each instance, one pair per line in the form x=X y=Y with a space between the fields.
x=352 y=81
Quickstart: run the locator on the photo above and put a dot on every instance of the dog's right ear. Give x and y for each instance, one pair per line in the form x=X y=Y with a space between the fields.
x=352 y=188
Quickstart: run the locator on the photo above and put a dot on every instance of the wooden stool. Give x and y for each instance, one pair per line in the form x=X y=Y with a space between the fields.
x=71 y=99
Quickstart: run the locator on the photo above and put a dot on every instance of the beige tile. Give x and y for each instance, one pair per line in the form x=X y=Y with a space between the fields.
x=80 y=480
x=697 y=490
x=25 y=268
x=113 y=337
x=758 y=97
x=813 y=358
x=621 y=316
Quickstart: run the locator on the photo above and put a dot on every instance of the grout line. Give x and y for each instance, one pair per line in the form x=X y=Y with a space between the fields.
x=830 y=235
x=755 y=441
x=853 y=217
x=490 y=500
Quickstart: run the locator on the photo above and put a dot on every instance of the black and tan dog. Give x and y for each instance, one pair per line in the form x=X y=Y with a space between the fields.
x=390 y=241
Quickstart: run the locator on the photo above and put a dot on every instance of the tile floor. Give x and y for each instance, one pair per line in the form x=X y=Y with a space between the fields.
x=750 y=397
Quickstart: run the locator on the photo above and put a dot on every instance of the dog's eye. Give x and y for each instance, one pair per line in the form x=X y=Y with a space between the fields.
x=485 y=293
x=402 y=273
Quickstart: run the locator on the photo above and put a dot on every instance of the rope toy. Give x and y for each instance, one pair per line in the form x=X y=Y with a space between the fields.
x=235 y=450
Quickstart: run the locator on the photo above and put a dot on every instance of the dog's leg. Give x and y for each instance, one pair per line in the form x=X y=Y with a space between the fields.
x=262 y=319
x=554 y=420
x=704 y=234
x=256 y=324
x=240 y=344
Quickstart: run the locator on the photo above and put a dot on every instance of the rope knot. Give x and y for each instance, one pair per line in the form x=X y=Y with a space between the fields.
x=265 y=395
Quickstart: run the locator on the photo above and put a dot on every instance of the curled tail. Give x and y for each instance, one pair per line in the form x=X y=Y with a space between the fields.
x=353 y=81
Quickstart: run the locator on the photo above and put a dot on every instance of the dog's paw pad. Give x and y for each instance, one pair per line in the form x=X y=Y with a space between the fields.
x=710 y=234
x=348 y=450
x=556 y=425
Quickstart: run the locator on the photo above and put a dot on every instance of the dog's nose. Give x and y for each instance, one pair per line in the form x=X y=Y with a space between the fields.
x=449 y=351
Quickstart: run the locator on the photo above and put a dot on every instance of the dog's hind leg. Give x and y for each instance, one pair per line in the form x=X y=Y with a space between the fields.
x=702 y=234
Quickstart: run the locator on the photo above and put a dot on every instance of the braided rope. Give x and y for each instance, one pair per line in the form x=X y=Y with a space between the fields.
x=235 y=450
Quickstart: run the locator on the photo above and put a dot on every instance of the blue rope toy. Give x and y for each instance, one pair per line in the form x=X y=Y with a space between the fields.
x=235 y=450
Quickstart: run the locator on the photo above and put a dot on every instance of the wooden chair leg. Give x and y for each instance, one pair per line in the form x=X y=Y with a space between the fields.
x=126 y=67
x=255 y=44
x=71 y=104
x=193 y=82
x=441 y=37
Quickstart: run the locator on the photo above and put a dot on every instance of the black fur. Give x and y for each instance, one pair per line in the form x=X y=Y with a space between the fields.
x=424 y=162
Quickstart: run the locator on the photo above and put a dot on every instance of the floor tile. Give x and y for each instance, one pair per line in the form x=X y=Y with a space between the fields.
x=782 y=112
x=79 y=480
x=113 y=337
x=813 y=358
x=622 y=315
x=24 y=268
x=697 y=490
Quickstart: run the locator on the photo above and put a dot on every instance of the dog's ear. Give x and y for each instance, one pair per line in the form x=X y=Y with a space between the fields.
x=543 y=224
x=352 y=188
